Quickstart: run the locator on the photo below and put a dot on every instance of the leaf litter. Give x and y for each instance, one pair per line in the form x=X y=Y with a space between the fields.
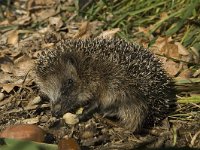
x=23 y=27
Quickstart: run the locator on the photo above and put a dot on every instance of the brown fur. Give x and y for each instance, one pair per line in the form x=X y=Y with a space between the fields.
x=123 y=79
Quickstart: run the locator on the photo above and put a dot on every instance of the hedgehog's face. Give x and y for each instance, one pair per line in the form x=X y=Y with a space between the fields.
x=65 y=88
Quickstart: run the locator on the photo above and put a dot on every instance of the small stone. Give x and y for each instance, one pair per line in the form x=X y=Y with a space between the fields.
x=44 y=119
x=87 y=134
x=79 y=111
x=1 y=96
x=70 y=118
x=35 y=101
x=31 y=120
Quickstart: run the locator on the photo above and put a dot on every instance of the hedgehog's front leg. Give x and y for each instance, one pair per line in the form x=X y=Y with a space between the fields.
x=88 y=111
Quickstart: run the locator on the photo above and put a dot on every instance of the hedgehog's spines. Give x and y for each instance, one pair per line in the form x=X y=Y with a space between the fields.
x=134 y=71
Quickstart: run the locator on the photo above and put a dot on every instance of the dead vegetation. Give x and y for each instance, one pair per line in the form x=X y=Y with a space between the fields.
x=169 y=28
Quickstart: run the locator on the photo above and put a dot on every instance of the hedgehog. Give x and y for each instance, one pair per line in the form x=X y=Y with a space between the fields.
x=108 y=76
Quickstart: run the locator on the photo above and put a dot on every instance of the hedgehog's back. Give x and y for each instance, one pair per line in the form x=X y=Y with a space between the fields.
x=143 y=70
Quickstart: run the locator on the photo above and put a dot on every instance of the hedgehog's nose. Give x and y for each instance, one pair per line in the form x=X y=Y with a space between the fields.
x=56 y=110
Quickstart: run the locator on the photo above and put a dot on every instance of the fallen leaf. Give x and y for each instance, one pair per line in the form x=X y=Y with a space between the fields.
x=8 y=87
x=109 y=33
x=22 y=66
x=56 y=22
x=181 y=49
x=1 y=96
x=171 y=50
x=31 y=120
x=4 y=22
x=163 y=15
x=7 y=68
x=44 y=14
x=82 y=30
x=196 y=54
x=171 y=67
x=34 y=101
x=5 y=78
x=13 y=37
x=33 y=3
x=146 y=32
x=196 y=73
x=23 y=20
x=186 y=73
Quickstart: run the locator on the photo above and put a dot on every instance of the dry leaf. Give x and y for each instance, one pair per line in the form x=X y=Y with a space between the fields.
x=1 y=96
x=31 y=4
x=109 y=33
x=23 y=20
x=181 y=49
x=163 y=15
x=160 y=43
x=171 y=67
x=186 y=73
x=34 y=101
x=13 y=37
x=171 y=50
x=31 y=120
x=4 y=22
x=7 y=68
x=23 y=65
x=8 y=87
x=197 y=73
x=82 y=30
x=5 y=78
x=56 y=22
x=146 y=32
x=195 y=54
x=44 y=14
x=42 y=2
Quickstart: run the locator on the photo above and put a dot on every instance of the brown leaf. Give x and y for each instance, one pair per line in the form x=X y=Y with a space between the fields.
x=8 y=87
x=196 y=73
x=4 y=22
x=23 y=65
x=44 y=14
x=2 y=96
x=181 y=49
x=82 y=30
x=23 y=20
x=171 y=50
x=56 y=22
x=146 y=32
x=171 y=67
x=163 y=15
x=13 y=37
x=186 y=73
x=196 y=54
x=5 y=78
x=109 y=33
x=7 y=68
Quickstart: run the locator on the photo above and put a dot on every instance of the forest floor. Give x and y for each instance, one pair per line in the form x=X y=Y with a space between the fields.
x=22 y=29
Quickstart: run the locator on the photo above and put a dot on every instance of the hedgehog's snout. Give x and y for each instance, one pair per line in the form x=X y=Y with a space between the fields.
x=56 y=110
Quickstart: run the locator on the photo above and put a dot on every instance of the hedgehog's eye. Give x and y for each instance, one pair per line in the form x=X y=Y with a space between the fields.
x=67 y=85
x=70 y=82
